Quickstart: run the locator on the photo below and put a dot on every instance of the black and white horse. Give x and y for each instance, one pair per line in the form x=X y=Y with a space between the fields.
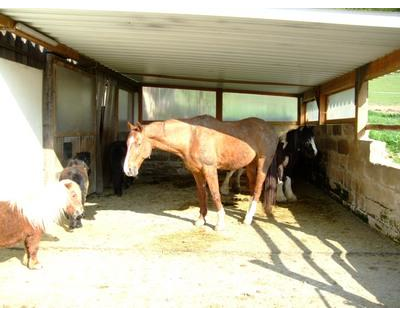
x=295 y=143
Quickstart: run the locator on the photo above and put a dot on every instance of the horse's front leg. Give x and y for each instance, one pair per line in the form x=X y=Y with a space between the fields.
x=211 y=176
x=202 y=196
x=260 y=178
x=31 y=250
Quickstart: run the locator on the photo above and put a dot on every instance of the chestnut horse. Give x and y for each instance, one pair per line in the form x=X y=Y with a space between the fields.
x=206 y=145
x=26 y=220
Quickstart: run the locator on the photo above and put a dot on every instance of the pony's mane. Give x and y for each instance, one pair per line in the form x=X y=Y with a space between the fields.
x=44 y=208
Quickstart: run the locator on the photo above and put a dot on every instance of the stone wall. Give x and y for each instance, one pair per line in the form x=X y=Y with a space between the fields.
x=355 y=173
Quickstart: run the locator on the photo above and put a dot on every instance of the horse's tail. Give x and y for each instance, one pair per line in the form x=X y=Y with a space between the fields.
x=271 y=180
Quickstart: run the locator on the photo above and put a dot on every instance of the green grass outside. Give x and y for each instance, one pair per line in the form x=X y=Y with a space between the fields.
x=383 y=118
x=391 y=138
x=385 y=91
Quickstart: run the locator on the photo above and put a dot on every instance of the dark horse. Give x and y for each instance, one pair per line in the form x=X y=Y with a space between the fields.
x=25 y=219
x=206 y=145
x=295 y=144
x=78 y=171
x=117 y=153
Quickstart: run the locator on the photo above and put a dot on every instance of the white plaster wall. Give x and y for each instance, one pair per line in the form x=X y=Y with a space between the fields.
x=21 y=150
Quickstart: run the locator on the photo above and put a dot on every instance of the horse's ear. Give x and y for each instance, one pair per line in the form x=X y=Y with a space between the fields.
x=135 y=127
x=130 y=126
x=67 y=183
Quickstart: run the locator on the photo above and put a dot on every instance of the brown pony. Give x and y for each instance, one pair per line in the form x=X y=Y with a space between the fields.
x=206 y=145
x=26 y=220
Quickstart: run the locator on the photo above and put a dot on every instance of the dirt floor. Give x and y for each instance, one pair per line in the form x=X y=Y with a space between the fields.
x=142 y=250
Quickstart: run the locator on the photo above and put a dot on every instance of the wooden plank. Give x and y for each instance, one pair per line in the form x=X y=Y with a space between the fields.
x=265 y=83
x=50 y=164
x=322 y=106
x=219 y=110
x=384 y=65
x=361 y=102
x=301 y=112
x=343 y=82
x=6 y=22
x=280 y=94
x=341 y=121
x=382 y=127
x=140 y=105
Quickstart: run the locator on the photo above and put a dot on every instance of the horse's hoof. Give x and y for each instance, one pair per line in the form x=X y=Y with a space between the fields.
x=247 y=221
x=219 y=228
x=292 y=198
x=199 y=222
x=35 y=266
x=25 y=260
x=282 y=200
x=223 y=192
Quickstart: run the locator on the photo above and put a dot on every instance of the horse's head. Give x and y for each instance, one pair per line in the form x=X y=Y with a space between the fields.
x=74 y=207
x=307 y=141
x=138 y=149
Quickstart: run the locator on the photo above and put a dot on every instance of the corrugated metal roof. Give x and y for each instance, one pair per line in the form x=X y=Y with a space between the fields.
x=217 y=47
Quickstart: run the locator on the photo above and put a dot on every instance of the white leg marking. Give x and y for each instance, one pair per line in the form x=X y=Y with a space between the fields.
x=280 y=196
x=288 y=190
x=225 y=184
x=314 y=147
x=200 y=221
x=221 y=220
x=250 y=213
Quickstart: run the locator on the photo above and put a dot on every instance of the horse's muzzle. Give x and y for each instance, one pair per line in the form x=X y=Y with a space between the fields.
x=131 y=172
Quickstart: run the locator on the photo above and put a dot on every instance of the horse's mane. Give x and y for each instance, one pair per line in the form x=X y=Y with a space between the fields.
x=44 y=208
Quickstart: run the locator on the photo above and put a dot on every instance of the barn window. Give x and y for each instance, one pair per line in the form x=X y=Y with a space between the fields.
x=125 y=109
x=74 y=101
x=237 y=106
x=135 y=107
x=341 y=105
x=312 y=111
x=166 y=103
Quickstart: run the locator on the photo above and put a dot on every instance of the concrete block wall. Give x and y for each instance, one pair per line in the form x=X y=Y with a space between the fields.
x=354 y=173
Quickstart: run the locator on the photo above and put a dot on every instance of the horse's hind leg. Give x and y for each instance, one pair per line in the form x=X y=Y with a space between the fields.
x=225 y=184
x=236 y=186
x=251 y=172
x=202 y=196
x=31 y=250
x=211 y=176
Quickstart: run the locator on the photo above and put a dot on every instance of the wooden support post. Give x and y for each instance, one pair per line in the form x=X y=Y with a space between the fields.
x=51 y=162
x=361 y=101
x=140 y=105
x=321 y=100
x=218 y=112
x=301 y=111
